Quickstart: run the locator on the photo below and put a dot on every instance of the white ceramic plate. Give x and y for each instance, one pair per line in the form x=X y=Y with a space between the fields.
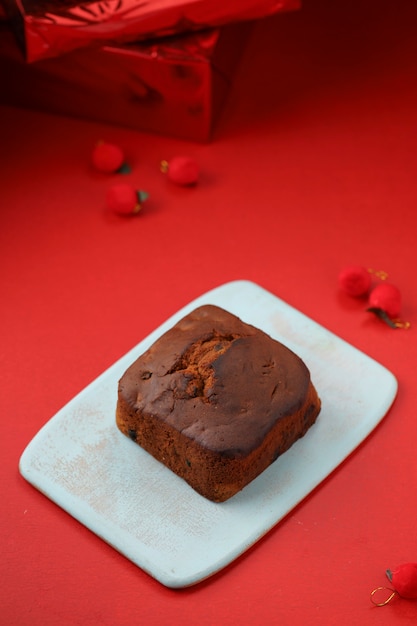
x=83 y=463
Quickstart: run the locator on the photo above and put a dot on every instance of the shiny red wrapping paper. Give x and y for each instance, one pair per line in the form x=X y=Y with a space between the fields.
x=174 y=86
x=49 y=28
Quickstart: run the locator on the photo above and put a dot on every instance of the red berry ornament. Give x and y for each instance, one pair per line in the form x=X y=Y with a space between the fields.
x=384 y=299
x=387 y=298
x=107 y=158
x=181 y=170
x=355 y=280
x=124 y=199
x=404 y=580
x=404 y=584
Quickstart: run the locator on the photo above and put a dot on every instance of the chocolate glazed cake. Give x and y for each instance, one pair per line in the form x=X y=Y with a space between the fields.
x=217 y=401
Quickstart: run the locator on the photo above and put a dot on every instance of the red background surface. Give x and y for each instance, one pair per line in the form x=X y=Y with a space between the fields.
x=313 y=166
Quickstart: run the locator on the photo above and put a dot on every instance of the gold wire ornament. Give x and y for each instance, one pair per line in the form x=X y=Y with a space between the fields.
x=387 y=600
x=393 y=323
x=164 y=165
x=401 y=324
x=381 y=274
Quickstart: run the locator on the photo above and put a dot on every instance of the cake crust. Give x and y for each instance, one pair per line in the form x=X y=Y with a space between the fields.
x=217 y=401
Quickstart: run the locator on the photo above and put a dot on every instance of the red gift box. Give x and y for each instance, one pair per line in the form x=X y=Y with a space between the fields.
x=173 y=86
x=48 y=28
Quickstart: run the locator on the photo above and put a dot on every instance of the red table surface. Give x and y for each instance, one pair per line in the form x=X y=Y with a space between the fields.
x=313 y=166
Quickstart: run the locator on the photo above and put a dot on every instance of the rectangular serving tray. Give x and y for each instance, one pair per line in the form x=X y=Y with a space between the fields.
x=83 y=463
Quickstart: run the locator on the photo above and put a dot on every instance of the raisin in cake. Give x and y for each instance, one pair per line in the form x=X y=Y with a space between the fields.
x=217 y=401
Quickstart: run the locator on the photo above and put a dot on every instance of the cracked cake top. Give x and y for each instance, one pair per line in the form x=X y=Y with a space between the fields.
x=218 y=380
